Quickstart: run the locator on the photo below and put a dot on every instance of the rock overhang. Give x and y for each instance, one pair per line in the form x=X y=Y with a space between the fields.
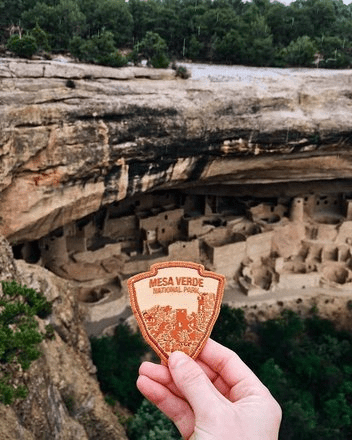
x=67 y=151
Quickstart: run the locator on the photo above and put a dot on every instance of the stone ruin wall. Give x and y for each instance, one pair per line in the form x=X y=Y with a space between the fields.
x=261 y=245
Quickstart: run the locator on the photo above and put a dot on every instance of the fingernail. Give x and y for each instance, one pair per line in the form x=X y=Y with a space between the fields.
x=177 y=358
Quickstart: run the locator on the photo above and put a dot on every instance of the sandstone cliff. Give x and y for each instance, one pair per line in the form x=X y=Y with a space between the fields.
x=74 y=138
x=64 y=400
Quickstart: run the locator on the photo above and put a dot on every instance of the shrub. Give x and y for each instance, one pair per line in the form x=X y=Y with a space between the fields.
x=23 y=47
x=333 y=51
x=19 y=334
x=305 y=363
x=230 y=326
x=195 y=47
x=113 y=59
x=160 y=61
x=154 y=49
x=117 y=359
x=151 y=424
x=182 y=72
x=99 y=49
x=41 y=38
x=300 y=52
x=339 y=60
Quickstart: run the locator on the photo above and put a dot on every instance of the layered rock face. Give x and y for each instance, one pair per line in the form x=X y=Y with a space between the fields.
x=64 y=400
x=74 y=138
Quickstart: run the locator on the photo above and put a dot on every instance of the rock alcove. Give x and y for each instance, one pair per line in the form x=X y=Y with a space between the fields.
x=263 y=243
x=132 y=166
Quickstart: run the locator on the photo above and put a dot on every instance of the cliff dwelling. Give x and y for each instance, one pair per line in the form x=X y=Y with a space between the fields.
x=263 y=243
x=134 y=166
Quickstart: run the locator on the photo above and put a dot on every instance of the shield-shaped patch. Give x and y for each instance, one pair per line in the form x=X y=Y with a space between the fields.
x=176 y=305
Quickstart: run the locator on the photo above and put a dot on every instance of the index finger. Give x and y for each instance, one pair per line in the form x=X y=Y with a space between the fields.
x=228 y=365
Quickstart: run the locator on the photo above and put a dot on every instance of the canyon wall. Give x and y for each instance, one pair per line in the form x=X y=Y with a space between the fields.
x=74 y=137
x=64 y=400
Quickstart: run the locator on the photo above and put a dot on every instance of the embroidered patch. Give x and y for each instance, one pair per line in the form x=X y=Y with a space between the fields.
x=176 y=305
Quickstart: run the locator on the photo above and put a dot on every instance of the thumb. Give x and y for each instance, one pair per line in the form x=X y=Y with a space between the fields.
x=193 y=383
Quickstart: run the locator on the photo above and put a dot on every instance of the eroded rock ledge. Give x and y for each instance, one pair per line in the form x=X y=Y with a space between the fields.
x=74 y=138
x=64 y=400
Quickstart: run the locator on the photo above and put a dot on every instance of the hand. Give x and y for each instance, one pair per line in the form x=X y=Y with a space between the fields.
x=216 y=397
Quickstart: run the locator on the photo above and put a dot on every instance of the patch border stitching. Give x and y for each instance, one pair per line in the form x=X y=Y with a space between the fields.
x=152 y=273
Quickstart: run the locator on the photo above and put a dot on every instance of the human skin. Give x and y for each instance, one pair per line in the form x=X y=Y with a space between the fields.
x=215 y=397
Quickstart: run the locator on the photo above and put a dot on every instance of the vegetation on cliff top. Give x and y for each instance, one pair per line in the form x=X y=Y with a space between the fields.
x=19 y=336
x=258 y=33
x=305 y=362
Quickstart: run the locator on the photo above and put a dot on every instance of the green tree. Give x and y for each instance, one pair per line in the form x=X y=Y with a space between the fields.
x=11 y=11
x=231 y=48
x=24 y=47
x=41 y=38
x=19 y=335
x=108 y=15
x=151 y=424
x=216 y=28
x=322 y=15
x=299 y=21
x=167 y=24
x=117 y=359
x=230 y=326
x=71 y=21
x=144 y=15
x=99 y=49
x=279 y=22
x=61 y=21
x=42 y=15
x=189 y=22
x=218 y=22
x=300 y=52
x=305 y=363
x=259 y=41
x=154 y=49
x=194 y=48
x=333 y=51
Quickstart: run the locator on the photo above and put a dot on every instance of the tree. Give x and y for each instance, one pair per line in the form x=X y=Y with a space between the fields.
x=19 y=335
x=117 y=359
x=301 y=52
x=61 y=21
x=99 y=49
x=305 y=363
x=24 y=47
x=333 y=51
x=322 y=15
x=194 y=48
x=279 y=22
x=41 y=38
x=10 y=12
x=154 y=49
x=230 y=326
x=299 y=23
x=150 y=423
x=42 y=15
x=259 y=41
x=256 y=33
x=108 y=15
x=218 y=22
x=144 y=15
